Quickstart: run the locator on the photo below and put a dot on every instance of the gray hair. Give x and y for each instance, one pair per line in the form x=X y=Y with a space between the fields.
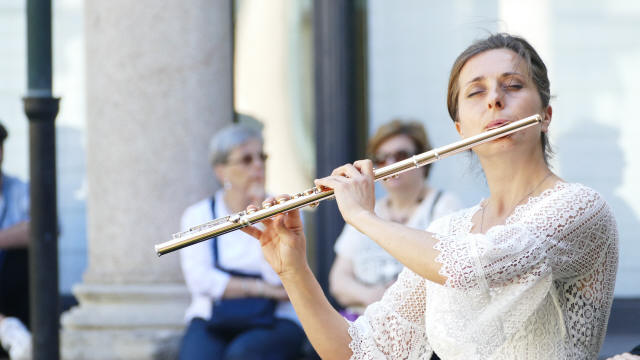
x=228 y=138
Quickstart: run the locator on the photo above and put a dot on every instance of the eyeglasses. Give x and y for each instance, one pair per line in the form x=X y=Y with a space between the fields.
x=248 y=159
x=384 y=159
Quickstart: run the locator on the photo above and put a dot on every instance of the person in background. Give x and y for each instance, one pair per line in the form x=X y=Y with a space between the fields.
x=232 y=266
x=14 y=242
x=362 y=270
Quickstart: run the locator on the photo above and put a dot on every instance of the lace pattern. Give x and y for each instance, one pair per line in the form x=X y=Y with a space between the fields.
x=539 y=286
x=393 y=328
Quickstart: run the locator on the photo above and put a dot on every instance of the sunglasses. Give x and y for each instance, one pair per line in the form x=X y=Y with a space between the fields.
x=248 y=159
x=384 y=159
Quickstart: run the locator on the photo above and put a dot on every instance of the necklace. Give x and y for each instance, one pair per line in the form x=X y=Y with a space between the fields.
x=518 y=203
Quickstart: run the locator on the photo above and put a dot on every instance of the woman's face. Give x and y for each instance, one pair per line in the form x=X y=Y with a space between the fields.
x=495 y=89
x=393 y=149
x=244 y=169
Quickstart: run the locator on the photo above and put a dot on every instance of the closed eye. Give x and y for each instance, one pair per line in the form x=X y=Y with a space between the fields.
x=474 y=92
x=514 y=86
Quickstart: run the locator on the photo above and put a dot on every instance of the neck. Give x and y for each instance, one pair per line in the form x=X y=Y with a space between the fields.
x=406 y=198
x=236 y=201
x=513 y=184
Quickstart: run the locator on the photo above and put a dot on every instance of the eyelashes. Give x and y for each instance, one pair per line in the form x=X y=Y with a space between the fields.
x=506 y=87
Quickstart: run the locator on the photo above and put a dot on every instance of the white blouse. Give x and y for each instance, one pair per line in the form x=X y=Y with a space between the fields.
x=236 y=250
x=538 y=287
x=372 y=265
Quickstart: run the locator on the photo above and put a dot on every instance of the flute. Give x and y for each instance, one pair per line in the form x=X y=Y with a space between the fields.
x=313 y=196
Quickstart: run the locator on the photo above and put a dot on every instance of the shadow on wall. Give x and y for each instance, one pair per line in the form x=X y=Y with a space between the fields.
x=590 y=153
x=600 y=164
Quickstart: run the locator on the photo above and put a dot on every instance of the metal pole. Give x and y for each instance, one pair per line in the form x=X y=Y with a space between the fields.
x=41 y=109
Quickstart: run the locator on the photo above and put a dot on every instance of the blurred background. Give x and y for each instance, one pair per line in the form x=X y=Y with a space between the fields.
x=144 y=85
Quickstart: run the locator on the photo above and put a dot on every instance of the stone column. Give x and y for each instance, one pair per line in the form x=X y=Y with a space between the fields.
x=159 y=84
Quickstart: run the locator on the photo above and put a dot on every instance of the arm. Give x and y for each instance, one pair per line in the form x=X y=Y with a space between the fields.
x=238 y=287
x=16 y=236
x=392 y=328
x=325 y=327
x=354 y=191
x=412 y=247
x=284 y=247
x=347 y=289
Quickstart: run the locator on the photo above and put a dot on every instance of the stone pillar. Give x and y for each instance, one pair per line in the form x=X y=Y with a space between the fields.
x=159 y=84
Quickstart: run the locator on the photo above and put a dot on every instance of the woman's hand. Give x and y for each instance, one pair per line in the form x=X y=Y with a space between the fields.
x=354 y=189
x=282 y=239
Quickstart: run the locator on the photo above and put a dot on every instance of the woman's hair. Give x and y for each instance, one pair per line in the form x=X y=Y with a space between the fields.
x=413 y=129
x=535 y=67
x=228 y=138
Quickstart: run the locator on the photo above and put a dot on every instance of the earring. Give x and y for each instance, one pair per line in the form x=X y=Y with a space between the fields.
x=226 y=184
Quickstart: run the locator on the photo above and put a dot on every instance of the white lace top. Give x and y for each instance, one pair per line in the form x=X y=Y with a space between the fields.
x=538 y=287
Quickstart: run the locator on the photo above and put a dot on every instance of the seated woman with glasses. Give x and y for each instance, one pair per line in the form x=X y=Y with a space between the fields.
x=362 y=270
x=232 y=267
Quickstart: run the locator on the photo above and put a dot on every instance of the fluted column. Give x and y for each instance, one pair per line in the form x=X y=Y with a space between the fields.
x=159 y=83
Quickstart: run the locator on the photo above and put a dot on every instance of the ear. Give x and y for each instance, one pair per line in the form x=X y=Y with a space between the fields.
x=458 y=129
x=546 y=120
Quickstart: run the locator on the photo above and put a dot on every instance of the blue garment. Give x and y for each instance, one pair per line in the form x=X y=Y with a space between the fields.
x=14 y=262
x=282 y=341
x=14 y=204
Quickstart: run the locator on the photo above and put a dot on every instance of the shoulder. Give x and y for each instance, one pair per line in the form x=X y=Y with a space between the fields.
x=13 y=184
x=442 y=225
x=16 y=192
x=204 y=204
x=571 y=208
x=197 y=213
x=575 y=197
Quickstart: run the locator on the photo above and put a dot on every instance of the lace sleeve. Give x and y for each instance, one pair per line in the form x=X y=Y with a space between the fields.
x=565 y=231
x=584 y=231
x=393 y=328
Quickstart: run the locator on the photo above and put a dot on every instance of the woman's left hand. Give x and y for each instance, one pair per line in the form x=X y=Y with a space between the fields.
x=354 y=189
x=282 y=240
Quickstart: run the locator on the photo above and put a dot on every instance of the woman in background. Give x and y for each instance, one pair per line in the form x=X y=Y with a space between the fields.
x=232 y=266
x=362 y=270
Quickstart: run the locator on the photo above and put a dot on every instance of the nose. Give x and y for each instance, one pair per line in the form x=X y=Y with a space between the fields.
x=496 y=99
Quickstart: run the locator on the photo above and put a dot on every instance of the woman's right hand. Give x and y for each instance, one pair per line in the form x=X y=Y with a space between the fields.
x=353 y=186
x=282 y=240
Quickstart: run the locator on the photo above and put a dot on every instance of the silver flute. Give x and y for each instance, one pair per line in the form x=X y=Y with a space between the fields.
x=313 y=196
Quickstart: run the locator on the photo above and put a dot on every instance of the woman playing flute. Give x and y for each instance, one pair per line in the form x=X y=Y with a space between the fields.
x=526 y=273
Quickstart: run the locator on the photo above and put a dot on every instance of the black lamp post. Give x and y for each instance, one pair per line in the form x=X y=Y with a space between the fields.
x=41 y=109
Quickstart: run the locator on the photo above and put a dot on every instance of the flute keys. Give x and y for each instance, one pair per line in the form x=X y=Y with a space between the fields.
x=314 y=205
x=310 y=191
x=236 y=217
x=281 y=200
x=251 y=210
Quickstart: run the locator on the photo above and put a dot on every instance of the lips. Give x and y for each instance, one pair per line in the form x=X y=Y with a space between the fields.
x=496 y=124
